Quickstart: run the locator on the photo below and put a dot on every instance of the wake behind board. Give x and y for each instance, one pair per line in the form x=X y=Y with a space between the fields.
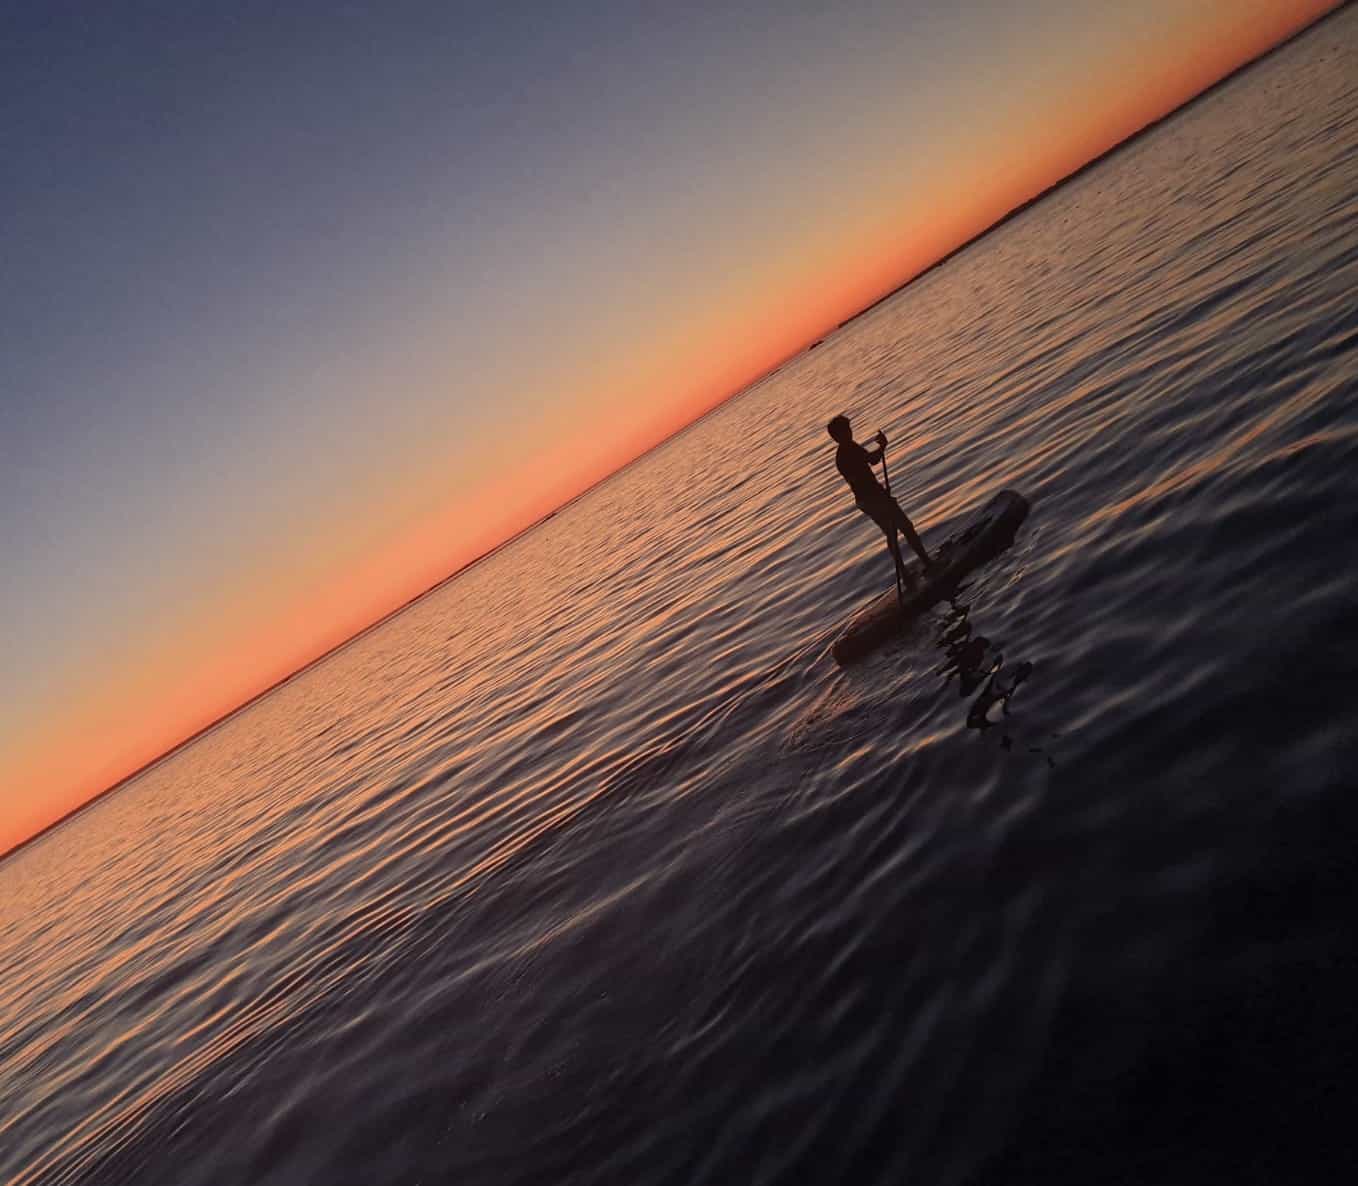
x=984 y=536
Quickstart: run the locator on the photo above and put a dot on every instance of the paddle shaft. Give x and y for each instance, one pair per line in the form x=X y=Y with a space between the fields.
x=886 y=481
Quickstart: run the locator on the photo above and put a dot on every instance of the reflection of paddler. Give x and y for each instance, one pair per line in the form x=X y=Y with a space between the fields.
x=971 y=663
x=999 y=687
x=976 y=662
x=855 y=463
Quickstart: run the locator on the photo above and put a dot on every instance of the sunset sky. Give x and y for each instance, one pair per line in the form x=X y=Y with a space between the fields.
x=305 y=305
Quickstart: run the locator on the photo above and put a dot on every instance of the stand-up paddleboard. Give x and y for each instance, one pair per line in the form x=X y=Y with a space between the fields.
x=986 y=534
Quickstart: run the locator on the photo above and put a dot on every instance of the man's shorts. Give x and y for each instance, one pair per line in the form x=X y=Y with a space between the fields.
x=882 y=510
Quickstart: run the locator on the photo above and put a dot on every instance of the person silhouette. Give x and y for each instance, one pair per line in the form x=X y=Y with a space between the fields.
x=855 y=463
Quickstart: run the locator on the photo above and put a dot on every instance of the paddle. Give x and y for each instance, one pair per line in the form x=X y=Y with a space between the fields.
x=886 y=481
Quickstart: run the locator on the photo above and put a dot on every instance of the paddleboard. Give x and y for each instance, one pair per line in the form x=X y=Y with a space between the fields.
x=983 y=537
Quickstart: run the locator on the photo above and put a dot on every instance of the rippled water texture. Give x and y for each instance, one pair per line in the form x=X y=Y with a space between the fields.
x=592 y=867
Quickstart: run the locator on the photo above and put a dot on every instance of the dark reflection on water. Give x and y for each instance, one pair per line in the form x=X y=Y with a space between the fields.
x=594 y=868
x=979 y=664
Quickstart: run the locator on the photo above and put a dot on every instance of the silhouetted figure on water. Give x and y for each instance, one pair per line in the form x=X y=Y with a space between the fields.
x=855 y=463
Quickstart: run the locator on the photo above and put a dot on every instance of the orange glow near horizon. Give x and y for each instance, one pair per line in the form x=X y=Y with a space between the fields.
x=272 y=618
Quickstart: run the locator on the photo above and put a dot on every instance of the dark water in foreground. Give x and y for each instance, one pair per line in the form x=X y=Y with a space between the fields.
x=593 y=868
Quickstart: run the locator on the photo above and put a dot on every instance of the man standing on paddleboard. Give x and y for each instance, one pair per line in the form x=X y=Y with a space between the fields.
x=855 y=463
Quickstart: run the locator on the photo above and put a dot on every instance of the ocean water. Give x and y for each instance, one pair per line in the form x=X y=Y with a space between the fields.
x=592 y=867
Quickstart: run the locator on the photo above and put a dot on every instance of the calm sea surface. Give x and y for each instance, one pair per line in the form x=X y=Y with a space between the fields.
x=592 y=867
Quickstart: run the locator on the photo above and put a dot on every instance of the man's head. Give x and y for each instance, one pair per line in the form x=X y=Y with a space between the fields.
x=840 y=430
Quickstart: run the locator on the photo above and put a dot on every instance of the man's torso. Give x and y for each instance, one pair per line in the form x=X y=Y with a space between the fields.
x=851 y=459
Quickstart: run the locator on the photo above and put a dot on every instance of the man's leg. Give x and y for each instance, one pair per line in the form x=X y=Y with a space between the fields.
x=885 y=518
x=907 y=529
x=882 y=516
x=893 y=545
